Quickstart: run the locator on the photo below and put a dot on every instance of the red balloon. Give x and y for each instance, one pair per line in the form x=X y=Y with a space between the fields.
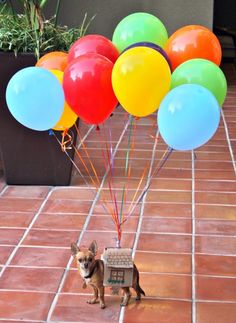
x=93 y=44
x=88 y=89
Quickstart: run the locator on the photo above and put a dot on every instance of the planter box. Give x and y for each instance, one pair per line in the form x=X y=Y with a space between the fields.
x=29 y=157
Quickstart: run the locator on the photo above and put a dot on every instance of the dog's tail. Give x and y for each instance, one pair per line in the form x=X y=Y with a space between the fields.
x=140 y=290
x=138 y=286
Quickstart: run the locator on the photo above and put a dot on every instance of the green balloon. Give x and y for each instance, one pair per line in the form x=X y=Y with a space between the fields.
x=139 y=27
x=202 y=72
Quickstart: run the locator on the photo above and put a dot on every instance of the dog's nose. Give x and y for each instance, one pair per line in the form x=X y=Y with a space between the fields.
x=86 y=265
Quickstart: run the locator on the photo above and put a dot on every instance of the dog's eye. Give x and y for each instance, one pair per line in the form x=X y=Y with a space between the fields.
x=90 y=259
x=80 y=260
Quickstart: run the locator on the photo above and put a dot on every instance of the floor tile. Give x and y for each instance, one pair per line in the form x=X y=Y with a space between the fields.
x=165 y=243
x=51 y=238
x=15 y=219
x=166 y=285
x=5 y=252
x=211 y=186
x=72 y=308
x=215 y=198
x=168 y=209
x=215 y=288
x=209 y=227
x=216 y=265
x=60 y=221
x=166 y=225
x=216 y=245
x=26 y=191
x=40 y=257
x=66 y=206
x=24 y=305
x=163 y=263
x=107 y=239
x=11 y=236
x=80 y=193
x=105 y=223
x=19 y=204
x=166 y=196
x=216 y=312
x=171 y=184
x=46 y=280
x=161 y=311
x=215 y=212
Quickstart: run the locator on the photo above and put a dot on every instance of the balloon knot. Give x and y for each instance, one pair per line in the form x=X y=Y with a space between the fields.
x=51 y=132
x=97 y=128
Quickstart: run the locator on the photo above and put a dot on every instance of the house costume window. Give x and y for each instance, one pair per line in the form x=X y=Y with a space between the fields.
x=117 y=275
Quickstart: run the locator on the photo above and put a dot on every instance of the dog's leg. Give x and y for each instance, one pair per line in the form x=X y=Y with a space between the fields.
x=95 y=296
x=101 y=296
x=126 y=297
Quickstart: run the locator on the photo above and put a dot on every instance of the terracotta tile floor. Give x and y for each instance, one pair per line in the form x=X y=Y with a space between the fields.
x=183 y=233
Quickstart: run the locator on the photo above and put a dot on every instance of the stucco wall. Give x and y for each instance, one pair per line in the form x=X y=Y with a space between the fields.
x=173 y=13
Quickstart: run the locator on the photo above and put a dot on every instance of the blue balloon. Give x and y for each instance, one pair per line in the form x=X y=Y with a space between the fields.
x=188 y=117
x=35 y=98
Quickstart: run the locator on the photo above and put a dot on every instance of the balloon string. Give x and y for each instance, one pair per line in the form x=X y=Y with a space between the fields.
x=142 y=177
x=105 y=206
x=163 y=160
x=131 y=155
x=87 y=154
x=67 y=141
x=108 y=165
x=126 y=170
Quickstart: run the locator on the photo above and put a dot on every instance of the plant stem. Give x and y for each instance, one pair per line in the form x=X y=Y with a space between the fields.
x=57 y=13
x=12 y=10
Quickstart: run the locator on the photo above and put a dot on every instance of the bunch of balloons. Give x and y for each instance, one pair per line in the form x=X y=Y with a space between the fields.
x=190 y=98
x=141 y=68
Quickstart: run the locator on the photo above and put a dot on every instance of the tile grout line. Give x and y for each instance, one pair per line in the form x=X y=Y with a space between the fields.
x=122 y=311
x=228 y=140
x=54 y=302
x=4 y=190
x=193 y=242
x=26 y=231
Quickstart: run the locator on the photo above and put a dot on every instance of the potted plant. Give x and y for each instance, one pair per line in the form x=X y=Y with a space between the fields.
x=31 y=157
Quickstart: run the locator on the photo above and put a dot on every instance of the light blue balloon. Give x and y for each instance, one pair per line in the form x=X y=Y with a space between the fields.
x=35 y=98
x=188 y=117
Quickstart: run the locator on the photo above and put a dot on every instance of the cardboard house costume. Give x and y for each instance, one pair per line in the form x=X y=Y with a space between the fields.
x=118 y=267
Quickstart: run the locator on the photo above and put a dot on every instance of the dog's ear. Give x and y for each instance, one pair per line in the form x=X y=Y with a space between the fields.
x=74 y=249
x=93 y=247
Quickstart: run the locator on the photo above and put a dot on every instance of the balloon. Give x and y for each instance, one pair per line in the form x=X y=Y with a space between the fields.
x=153 y=46
x=193 y=42
x=53 y=60
x=188 y=117
x=202 y=72
x=68 y=117
x=139 y=27
x=88 y=89
x=35 y=98
x=93 y=44
x=141 y=78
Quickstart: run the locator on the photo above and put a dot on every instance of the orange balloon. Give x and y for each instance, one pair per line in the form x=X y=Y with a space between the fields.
x=190 y=42
x=53 y=60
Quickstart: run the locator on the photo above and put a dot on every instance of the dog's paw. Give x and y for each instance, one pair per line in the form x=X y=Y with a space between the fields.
x=102 y=306
x=92 y=301
x=138 y=298
x=84 y=285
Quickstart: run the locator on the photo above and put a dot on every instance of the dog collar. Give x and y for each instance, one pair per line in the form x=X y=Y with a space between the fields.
x=92 y=271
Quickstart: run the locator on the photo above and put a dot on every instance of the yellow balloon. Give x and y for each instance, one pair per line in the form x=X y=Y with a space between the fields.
x=141 y=78
x=68 y=117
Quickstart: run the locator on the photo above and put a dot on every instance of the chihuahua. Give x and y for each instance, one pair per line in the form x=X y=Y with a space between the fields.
x=92 y=272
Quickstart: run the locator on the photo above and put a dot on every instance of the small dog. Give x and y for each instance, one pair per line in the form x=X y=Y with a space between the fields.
x=92 y=272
